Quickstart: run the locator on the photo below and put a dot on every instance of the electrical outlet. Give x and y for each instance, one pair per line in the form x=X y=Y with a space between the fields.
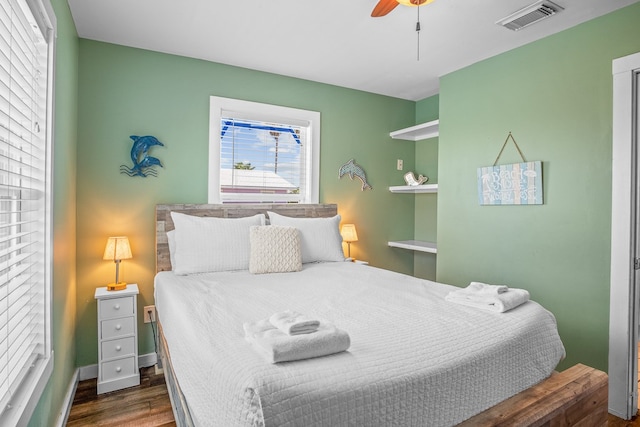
x=147 y=309
x=400 y=164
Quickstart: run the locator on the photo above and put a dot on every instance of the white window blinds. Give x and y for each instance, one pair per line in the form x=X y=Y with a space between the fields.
x=262 y=153
x=24 y=175
x=261 y=161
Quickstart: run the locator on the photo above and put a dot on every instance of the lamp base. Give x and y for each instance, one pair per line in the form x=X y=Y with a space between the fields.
x=117 y=286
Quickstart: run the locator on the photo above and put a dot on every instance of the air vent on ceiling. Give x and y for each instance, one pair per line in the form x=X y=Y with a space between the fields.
x=529 y=15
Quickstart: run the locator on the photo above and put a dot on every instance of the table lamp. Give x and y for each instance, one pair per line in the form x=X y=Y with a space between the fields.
x=349 y=235
x=117 y=249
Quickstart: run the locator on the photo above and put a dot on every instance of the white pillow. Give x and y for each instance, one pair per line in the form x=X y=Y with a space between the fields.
x=206 y=244
x=171 y=239
x=320 y=237
x=274 y=249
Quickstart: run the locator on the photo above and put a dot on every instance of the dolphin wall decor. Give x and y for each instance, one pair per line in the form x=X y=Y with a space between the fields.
x=143 y=164
x=352 y=169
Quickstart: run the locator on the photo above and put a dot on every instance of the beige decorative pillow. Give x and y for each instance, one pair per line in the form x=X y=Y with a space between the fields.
x=274 y=249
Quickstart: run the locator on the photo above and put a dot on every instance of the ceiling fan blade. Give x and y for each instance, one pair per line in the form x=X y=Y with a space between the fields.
x=383 y=7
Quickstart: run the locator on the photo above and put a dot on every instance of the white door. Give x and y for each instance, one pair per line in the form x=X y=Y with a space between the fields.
x=625 y=239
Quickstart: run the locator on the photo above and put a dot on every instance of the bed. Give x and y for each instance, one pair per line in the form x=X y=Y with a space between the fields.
x=414 y=359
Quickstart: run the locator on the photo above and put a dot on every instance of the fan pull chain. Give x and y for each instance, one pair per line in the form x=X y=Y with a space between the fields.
x=418 y=32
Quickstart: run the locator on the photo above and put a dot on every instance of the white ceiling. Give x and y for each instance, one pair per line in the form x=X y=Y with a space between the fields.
x=328 y=41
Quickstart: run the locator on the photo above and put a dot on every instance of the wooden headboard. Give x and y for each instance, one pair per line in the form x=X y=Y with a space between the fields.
x=164 y=221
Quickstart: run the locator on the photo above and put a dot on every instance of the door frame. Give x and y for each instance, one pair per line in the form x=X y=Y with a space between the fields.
x=623 y=313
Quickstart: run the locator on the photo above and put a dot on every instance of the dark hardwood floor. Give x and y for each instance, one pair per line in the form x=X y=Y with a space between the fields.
x=148 y=405
x=145 y=405
x=617 y=422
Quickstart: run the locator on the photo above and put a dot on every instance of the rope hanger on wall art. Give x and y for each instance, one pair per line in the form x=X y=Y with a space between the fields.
x=509 y=137
x=510 y=184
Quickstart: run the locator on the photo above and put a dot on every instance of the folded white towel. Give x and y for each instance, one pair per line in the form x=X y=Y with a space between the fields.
x=293 y=323
x=478 y=288
x=276 y=346
x=500 y=303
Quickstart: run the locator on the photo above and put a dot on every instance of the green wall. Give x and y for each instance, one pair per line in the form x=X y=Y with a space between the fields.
x=125 y=91
x=555 y=96
x=64 y=219
x=426 y=218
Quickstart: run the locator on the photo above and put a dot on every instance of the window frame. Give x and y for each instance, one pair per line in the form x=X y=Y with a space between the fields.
x=220 y=107
x=25 y=398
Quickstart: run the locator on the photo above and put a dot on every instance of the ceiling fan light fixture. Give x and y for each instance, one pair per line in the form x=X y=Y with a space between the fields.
x=414 y=2
x=385 y=6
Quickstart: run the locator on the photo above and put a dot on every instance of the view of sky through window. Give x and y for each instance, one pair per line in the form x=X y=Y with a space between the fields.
x=262 y=146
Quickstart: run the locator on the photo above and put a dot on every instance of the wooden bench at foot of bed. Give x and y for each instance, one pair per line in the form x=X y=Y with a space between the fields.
x=577 y=396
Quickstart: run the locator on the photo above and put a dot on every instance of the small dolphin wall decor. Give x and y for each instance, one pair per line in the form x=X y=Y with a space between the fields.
x=352 y=169
x=143 y=163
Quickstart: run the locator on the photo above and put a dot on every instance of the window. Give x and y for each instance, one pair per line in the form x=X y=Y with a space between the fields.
x=26 y=58
x=261 y=153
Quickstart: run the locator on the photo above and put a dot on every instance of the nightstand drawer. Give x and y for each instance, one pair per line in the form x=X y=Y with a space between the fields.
x=117 y=327
x=120 y=368
x=118 y=348
x=117 y=338
x=116 y=307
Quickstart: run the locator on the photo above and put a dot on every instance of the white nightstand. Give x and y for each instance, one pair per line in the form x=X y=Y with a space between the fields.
x=117 y=339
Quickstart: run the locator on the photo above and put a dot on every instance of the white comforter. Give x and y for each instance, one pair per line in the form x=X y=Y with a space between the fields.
x=414 y=360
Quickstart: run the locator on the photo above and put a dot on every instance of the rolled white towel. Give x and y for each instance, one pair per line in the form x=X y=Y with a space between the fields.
x=276 y=346
x=293 y=323
x=500 y=303
x=479 y=288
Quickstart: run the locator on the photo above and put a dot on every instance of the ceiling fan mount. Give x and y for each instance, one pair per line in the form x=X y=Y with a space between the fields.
x=385 y=6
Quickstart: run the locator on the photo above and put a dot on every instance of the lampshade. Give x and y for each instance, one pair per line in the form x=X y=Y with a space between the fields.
x=349 y=233
x=117 y=248
x=414 y=2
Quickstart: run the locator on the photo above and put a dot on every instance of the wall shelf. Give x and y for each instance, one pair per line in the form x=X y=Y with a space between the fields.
x=416 y=133
x=415 y=245
x=426 y=188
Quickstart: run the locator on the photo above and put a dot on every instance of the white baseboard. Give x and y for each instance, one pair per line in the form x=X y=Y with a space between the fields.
x=146 y=360
x=91 y=371
x=86 y=373
x=63 y=416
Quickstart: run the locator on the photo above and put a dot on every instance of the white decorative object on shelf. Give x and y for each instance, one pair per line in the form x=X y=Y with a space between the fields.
x=411 y=179
x=418 y=132
x=415 y=245
x=427 y=188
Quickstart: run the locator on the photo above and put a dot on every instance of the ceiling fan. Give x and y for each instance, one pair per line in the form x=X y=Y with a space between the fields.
x=385 y=6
